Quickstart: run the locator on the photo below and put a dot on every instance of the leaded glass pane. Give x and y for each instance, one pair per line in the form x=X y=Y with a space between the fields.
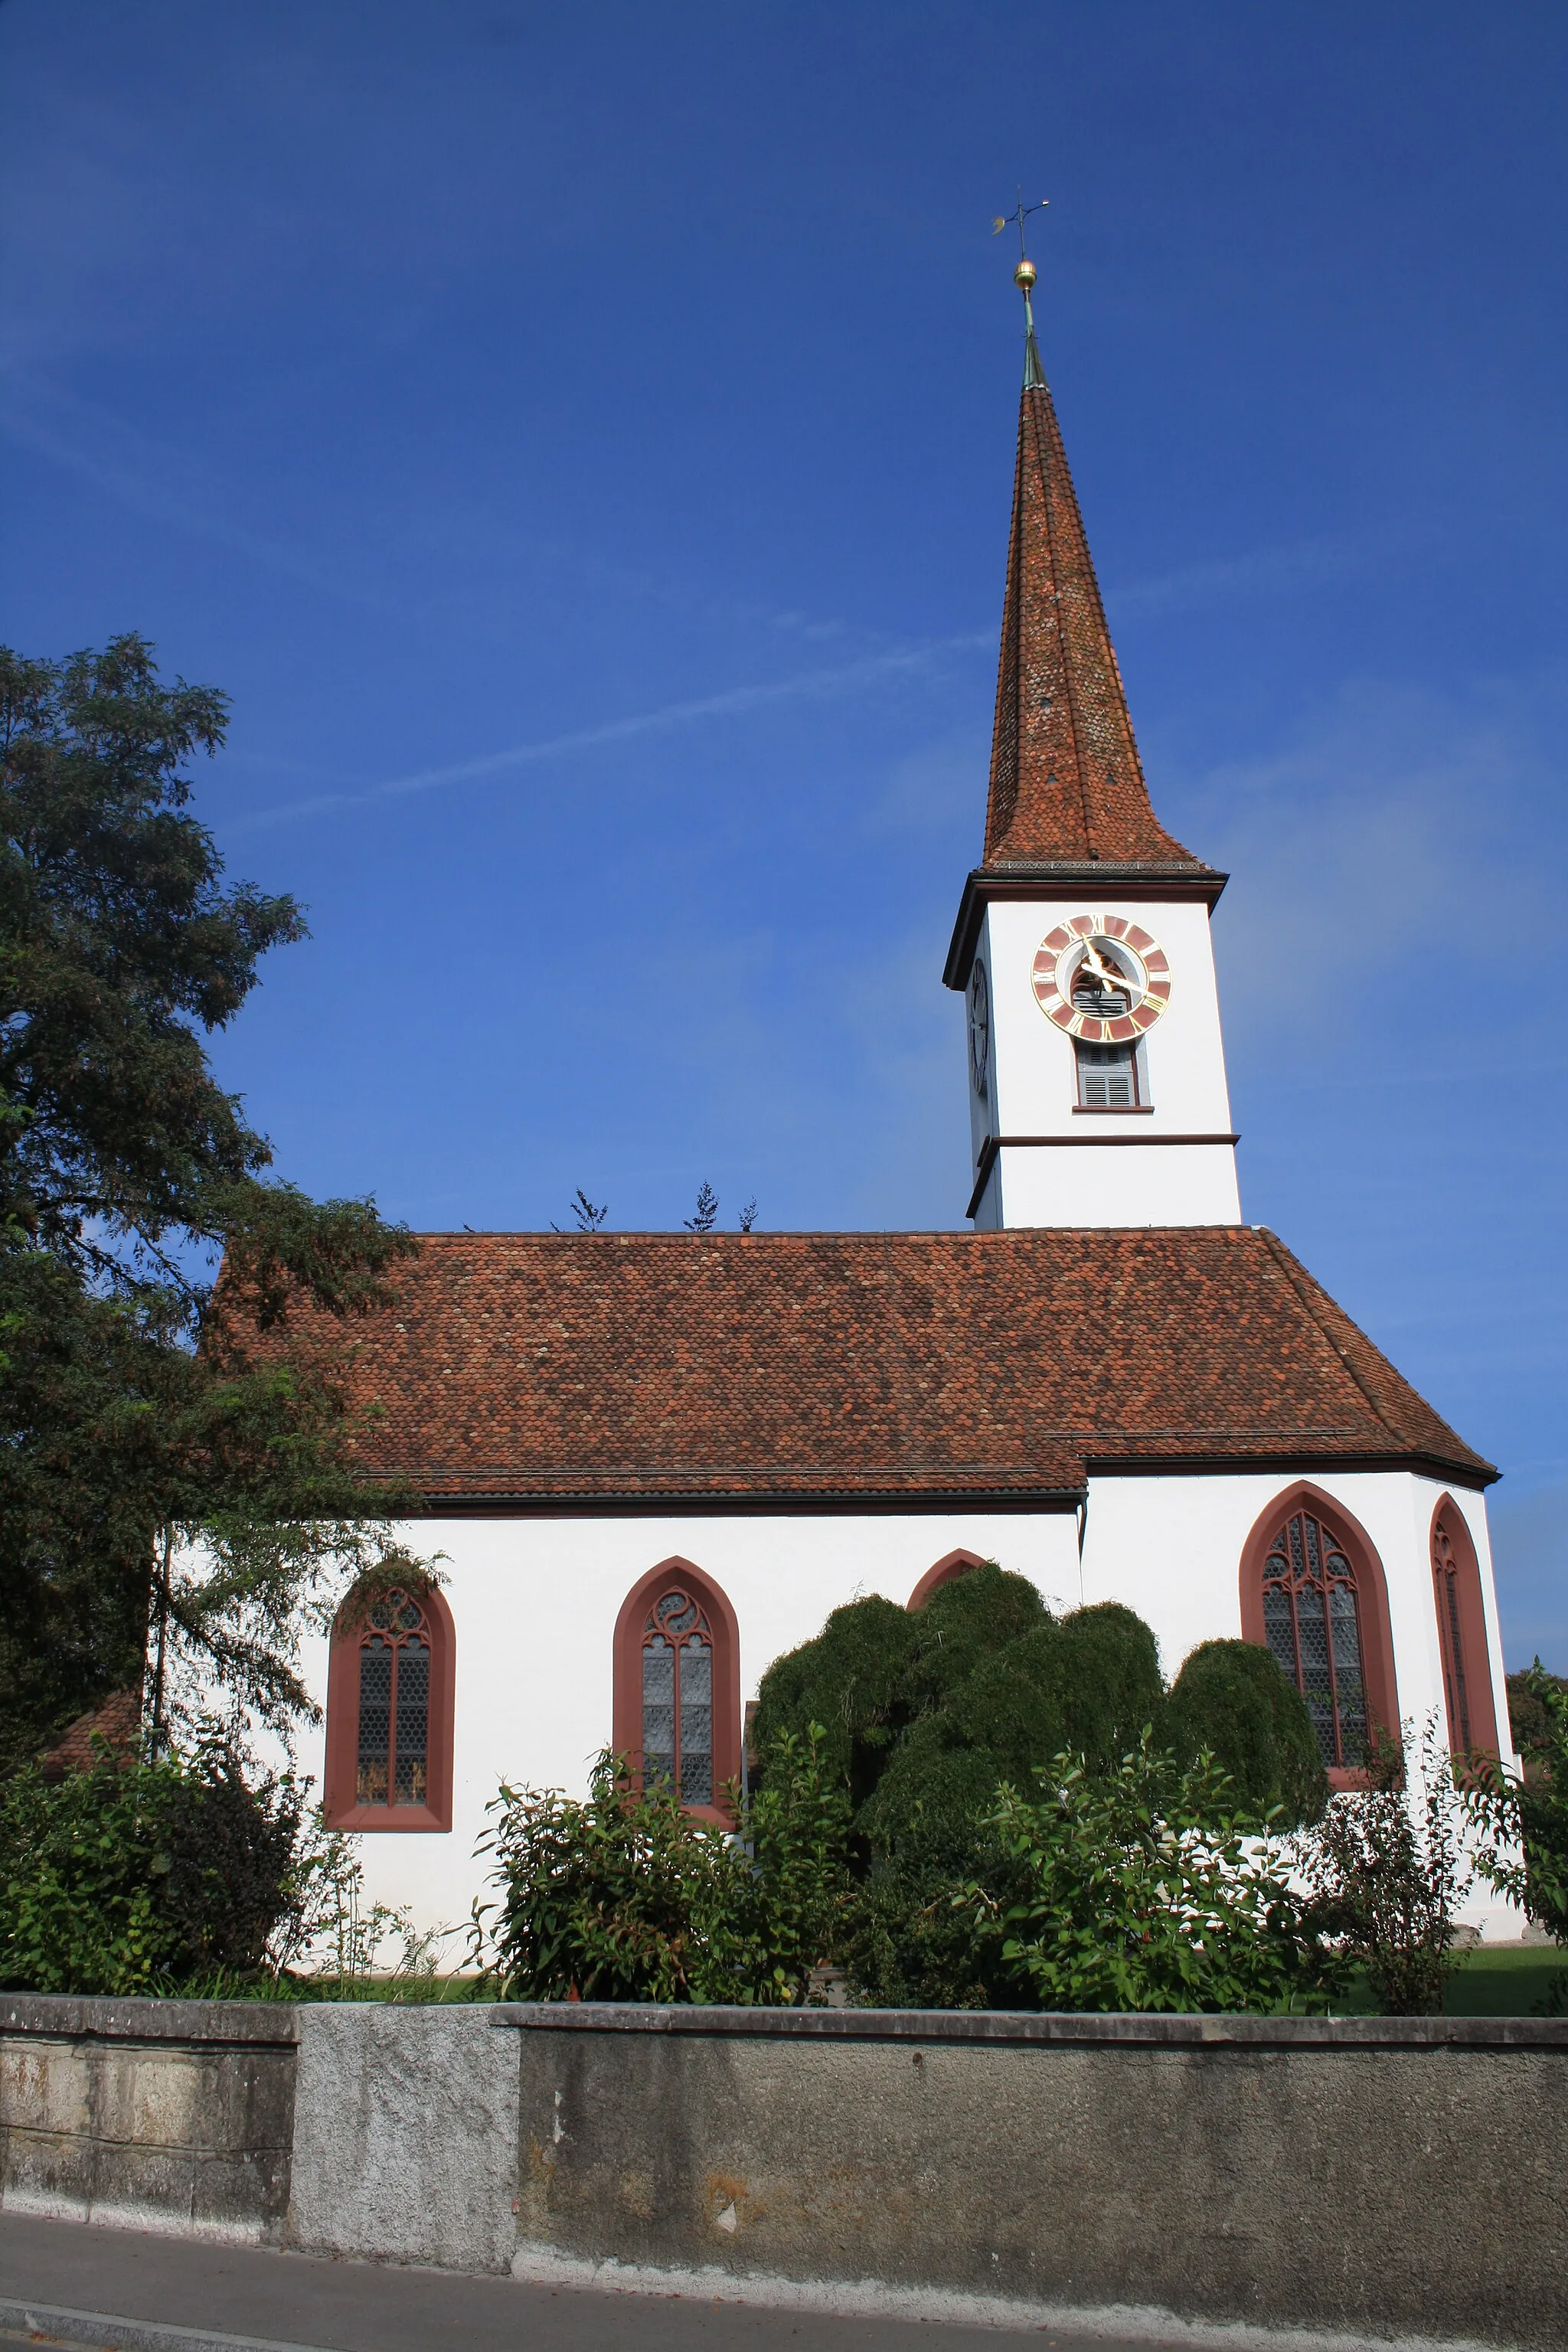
x=696 y=1723
x=1349 y=1684
x=658 y=1709
x=1316 y=1679
x=1461 y=1707
x=1279 y=1632
x=374 y=1720
x=413 y=1723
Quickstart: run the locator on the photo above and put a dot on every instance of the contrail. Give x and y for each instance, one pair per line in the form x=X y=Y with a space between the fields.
x=617 y=730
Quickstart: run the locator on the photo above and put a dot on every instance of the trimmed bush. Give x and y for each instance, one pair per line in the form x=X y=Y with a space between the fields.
x=1232 y=1699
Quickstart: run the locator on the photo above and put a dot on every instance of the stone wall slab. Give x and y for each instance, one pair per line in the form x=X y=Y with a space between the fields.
x=405 y=2136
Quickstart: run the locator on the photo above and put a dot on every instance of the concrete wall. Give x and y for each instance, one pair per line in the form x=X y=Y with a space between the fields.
x=1399 y=2178
x=159 y=2112
x=1377 y=2178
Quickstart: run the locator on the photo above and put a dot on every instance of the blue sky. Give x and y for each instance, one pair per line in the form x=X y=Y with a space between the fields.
x=581 y=443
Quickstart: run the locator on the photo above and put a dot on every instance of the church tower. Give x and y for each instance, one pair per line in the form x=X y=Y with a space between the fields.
x=1097 y=1085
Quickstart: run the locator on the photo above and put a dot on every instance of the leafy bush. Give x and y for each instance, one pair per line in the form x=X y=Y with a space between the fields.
x=128 y=1878
x=1232 y=1699
x=1530 y=1710
x=1388 y=1868
x=1523 y=1822
x=623 y=1897
x=1149 y=1887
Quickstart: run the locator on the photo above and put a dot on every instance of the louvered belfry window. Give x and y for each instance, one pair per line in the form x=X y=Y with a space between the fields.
x=677 y=1697
x=1311 y=1622
x=1107 y=1078
x=393 y=1757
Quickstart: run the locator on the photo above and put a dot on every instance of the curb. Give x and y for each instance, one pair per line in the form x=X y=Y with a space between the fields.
x=47 y=2322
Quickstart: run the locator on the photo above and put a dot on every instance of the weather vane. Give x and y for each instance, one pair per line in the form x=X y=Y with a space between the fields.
x=1020 y=214
x=1023 y=276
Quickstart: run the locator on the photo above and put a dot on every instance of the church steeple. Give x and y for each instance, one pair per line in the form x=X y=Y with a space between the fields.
x=1097 y=1086
x=1066 y=784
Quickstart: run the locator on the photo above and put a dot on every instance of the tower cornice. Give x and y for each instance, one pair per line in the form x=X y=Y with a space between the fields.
x=1151 y=880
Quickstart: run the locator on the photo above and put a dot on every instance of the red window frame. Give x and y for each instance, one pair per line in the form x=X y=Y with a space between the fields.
x=1462 y=1634
x=1349 y=1535
x=940 y=1572
x=340 y=1796
x=724 y=1635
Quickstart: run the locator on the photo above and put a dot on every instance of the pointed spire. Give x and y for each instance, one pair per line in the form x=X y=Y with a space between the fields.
x=1066 y=784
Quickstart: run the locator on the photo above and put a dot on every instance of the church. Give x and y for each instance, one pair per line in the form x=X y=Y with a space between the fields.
x=650 y=1463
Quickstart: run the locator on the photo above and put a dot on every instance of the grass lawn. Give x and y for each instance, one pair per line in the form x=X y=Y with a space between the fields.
x=1499 y=1980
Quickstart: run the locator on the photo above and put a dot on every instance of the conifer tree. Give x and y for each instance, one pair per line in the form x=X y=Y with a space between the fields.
x=144 y=1401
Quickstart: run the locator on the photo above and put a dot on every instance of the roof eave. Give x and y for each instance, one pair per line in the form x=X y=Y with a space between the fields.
x=1146 y=879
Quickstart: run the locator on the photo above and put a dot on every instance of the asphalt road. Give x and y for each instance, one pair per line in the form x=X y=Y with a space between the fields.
x=238 y=2298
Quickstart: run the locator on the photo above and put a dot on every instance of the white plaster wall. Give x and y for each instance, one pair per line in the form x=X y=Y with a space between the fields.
x=1157 y=1184
x=534 y=1604
x=1034 y=1070
x=1032 y=1087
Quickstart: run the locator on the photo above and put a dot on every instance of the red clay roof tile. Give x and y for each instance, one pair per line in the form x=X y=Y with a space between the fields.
x=868 y=1367
x=1067 y=784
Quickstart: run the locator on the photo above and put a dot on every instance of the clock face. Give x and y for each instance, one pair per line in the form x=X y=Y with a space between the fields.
x=979 y=1028
x=1101 y=978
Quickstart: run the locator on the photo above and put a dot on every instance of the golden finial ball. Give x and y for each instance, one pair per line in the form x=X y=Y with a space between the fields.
x=1024 y=275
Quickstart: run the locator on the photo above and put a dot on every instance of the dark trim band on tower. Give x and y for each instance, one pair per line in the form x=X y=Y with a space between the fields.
x=994 y=1146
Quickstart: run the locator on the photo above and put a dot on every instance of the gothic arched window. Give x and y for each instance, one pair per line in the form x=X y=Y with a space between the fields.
x=942 y=1571
x=1462 y=1634
x=1312 y=1593
x=677 y=1696
x=389 y=1713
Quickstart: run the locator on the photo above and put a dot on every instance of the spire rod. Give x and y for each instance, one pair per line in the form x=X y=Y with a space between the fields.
x=1025 y=278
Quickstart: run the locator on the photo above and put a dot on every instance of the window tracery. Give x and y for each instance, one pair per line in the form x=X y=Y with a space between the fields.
x=677 y=1697
x=678 y=1687
x=392 y=1756
x=389 y=1713
x=1311 y=1619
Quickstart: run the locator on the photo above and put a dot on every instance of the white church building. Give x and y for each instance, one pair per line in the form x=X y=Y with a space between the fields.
x=652 y=1461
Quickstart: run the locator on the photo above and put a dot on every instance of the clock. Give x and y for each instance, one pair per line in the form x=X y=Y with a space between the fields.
x=1101 y=978
x=979 y=1028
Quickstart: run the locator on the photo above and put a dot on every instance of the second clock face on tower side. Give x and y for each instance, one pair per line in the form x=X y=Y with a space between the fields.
x=1101 y=978
x=979 y=1028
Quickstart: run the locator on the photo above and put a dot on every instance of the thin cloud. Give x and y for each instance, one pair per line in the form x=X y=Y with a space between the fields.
x=1269 y=570
x=735 y=700
x=152 y=480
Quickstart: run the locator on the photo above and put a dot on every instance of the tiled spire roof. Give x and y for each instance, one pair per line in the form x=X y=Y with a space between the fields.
x=1066 y=784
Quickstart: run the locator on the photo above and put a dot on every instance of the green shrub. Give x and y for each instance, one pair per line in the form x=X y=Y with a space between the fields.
x=1389 y=1871
x=623 y=1897
x=853 y=1682
x=1232 y=1699
x=1523 y=1822
x=1149 y=1887
x=982 y=1670
x=129 y=1879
